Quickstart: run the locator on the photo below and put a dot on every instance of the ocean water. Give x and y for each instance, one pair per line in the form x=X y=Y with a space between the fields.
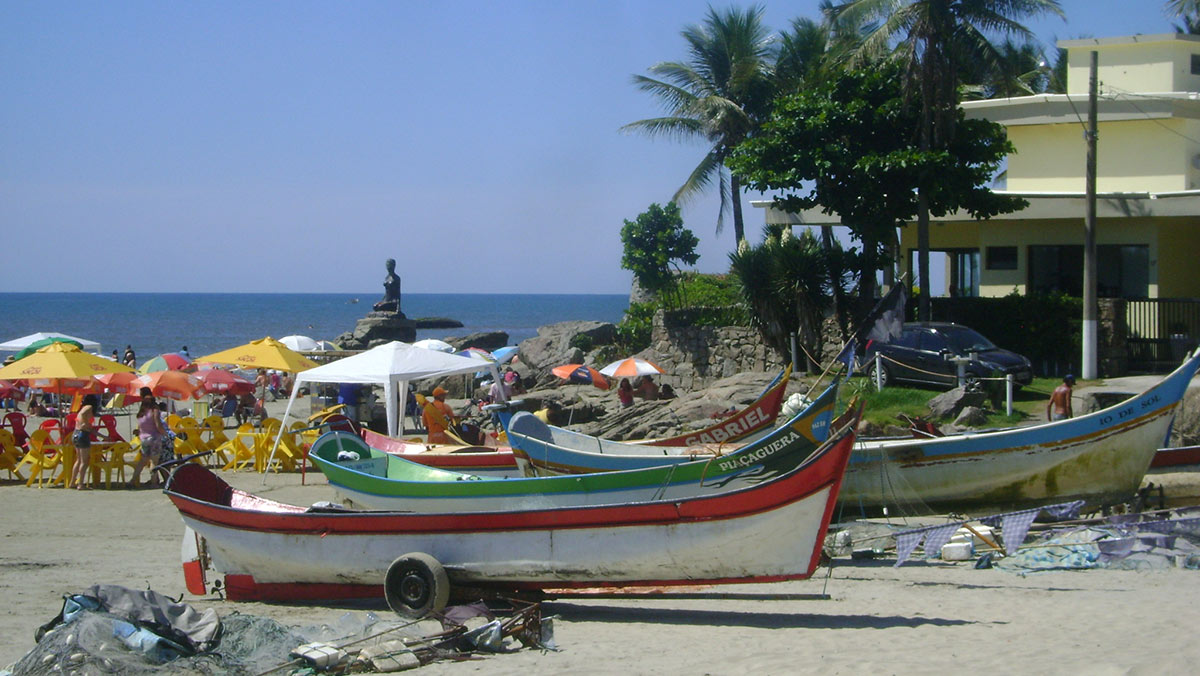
x=154 y=323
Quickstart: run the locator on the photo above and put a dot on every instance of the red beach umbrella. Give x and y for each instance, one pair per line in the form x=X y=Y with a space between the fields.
x=220 y=380
x=118 y=382
x=579 y=373
x=10 y=390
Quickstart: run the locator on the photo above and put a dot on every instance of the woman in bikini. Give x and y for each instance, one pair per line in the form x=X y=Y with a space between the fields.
x=85 y=424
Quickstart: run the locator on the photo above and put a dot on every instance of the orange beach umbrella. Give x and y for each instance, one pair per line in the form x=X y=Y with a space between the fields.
x=579 y=373
x=175 y=385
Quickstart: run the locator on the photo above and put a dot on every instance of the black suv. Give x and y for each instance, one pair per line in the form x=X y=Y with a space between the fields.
x=924 y=351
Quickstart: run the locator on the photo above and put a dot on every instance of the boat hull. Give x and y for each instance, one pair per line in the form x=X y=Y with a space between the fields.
x=553 y=451
x=378 y=481
x=1099 y=457
x=477 y=460
x=769 y=532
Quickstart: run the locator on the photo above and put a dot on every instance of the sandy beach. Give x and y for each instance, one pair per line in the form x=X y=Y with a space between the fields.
x=925 y=617
x=920 y=618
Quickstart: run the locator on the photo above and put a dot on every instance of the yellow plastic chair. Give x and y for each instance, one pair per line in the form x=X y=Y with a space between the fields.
x=65 y=453
x=188 y=438
x=214 y=428
x=285 y=455
x=10 y=455
x=114 y=459
x=241 y=449
x=39 y=462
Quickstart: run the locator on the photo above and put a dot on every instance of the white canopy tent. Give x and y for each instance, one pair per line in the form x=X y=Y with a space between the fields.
x=18 y=344
x=392 y=365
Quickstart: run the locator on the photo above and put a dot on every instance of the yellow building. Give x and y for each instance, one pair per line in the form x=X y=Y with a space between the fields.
x=1148 y=183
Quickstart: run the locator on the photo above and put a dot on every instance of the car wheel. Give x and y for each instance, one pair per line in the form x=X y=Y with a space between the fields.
x=885 y=375
x=416 y=585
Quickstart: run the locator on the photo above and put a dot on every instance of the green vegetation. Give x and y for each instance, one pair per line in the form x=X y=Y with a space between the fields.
x=711 y=300
x=846 y=145
x=783 y=282
x=883 y=406
x=934 y=41
x=653 y=243
x=716 y=96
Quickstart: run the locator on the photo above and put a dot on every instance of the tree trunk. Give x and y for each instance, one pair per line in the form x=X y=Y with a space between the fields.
x=835 y=277
x=923 y=254
x=735 y=188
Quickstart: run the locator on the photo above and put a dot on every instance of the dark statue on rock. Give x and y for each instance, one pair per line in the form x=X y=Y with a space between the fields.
x=391 y=290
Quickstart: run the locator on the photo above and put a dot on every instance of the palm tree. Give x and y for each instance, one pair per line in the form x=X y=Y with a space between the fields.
x=1183 y=7
x=800 y=55
x=783 y=283
x=1020 y=70
x=719 y=94
x=933 y=38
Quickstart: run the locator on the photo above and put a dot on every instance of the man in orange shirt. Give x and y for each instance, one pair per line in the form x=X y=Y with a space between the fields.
x=438 y=416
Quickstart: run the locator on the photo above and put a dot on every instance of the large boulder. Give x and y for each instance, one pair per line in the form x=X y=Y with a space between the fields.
x=552 y=346
x=948 y=405
x=484 y=340
x=971 y=416
x=590 y=410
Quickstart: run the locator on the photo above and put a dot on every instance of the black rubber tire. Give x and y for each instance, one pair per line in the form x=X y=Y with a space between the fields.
x=416 y=585
x=885 y=375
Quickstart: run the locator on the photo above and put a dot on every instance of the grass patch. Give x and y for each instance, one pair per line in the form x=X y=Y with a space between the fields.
x=884 y=407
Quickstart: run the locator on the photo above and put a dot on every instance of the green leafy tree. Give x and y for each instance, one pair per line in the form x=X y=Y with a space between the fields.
x=784 y=284
x=933 y=39
x=846 y=146
x=717 y=95
x=653 y=244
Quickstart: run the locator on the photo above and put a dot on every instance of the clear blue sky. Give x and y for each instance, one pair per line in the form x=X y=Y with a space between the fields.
x=293 y=146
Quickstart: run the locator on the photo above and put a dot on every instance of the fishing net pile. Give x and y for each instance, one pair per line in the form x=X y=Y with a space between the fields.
x=109 y=629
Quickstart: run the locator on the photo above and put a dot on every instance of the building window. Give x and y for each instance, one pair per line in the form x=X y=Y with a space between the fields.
x=1122 y=270
x=1002 y=258
x=1195 y=64
x=964 y=273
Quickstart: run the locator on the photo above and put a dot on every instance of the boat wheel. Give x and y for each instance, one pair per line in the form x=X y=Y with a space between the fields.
x=416 y=585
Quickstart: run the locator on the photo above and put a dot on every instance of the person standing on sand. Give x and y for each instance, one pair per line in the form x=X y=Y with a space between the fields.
x=152 y=433
x=82 y=438
x=130 y=359
x=1059 y=406
x=438 y=416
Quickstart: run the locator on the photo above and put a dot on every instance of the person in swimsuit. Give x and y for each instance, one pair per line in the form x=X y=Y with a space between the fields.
x=1059 y=406
x=85 y=424
x=151 y=432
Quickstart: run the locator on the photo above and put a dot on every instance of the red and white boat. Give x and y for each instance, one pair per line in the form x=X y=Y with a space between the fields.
x=268 y=550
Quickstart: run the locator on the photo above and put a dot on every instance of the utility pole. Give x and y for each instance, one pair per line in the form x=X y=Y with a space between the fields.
x=1088 y=363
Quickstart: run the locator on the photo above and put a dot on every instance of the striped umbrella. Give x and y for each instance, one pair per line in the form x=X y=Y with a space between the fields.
x=579 y=373
x=631 y=367
x=169 y=361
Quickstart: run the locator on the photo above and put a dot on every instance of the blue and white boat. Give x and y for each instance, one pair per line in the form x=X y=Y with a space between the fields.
x=1098 y=457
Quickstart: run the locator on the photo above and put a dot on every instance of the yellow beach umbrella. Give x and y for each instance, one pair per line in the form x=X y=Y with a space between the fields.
x=266 y=353
x=61 y=361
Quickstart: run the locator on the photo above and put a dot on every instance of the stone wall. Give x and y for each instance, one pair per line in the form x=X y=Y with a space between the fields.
x=695 y=356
